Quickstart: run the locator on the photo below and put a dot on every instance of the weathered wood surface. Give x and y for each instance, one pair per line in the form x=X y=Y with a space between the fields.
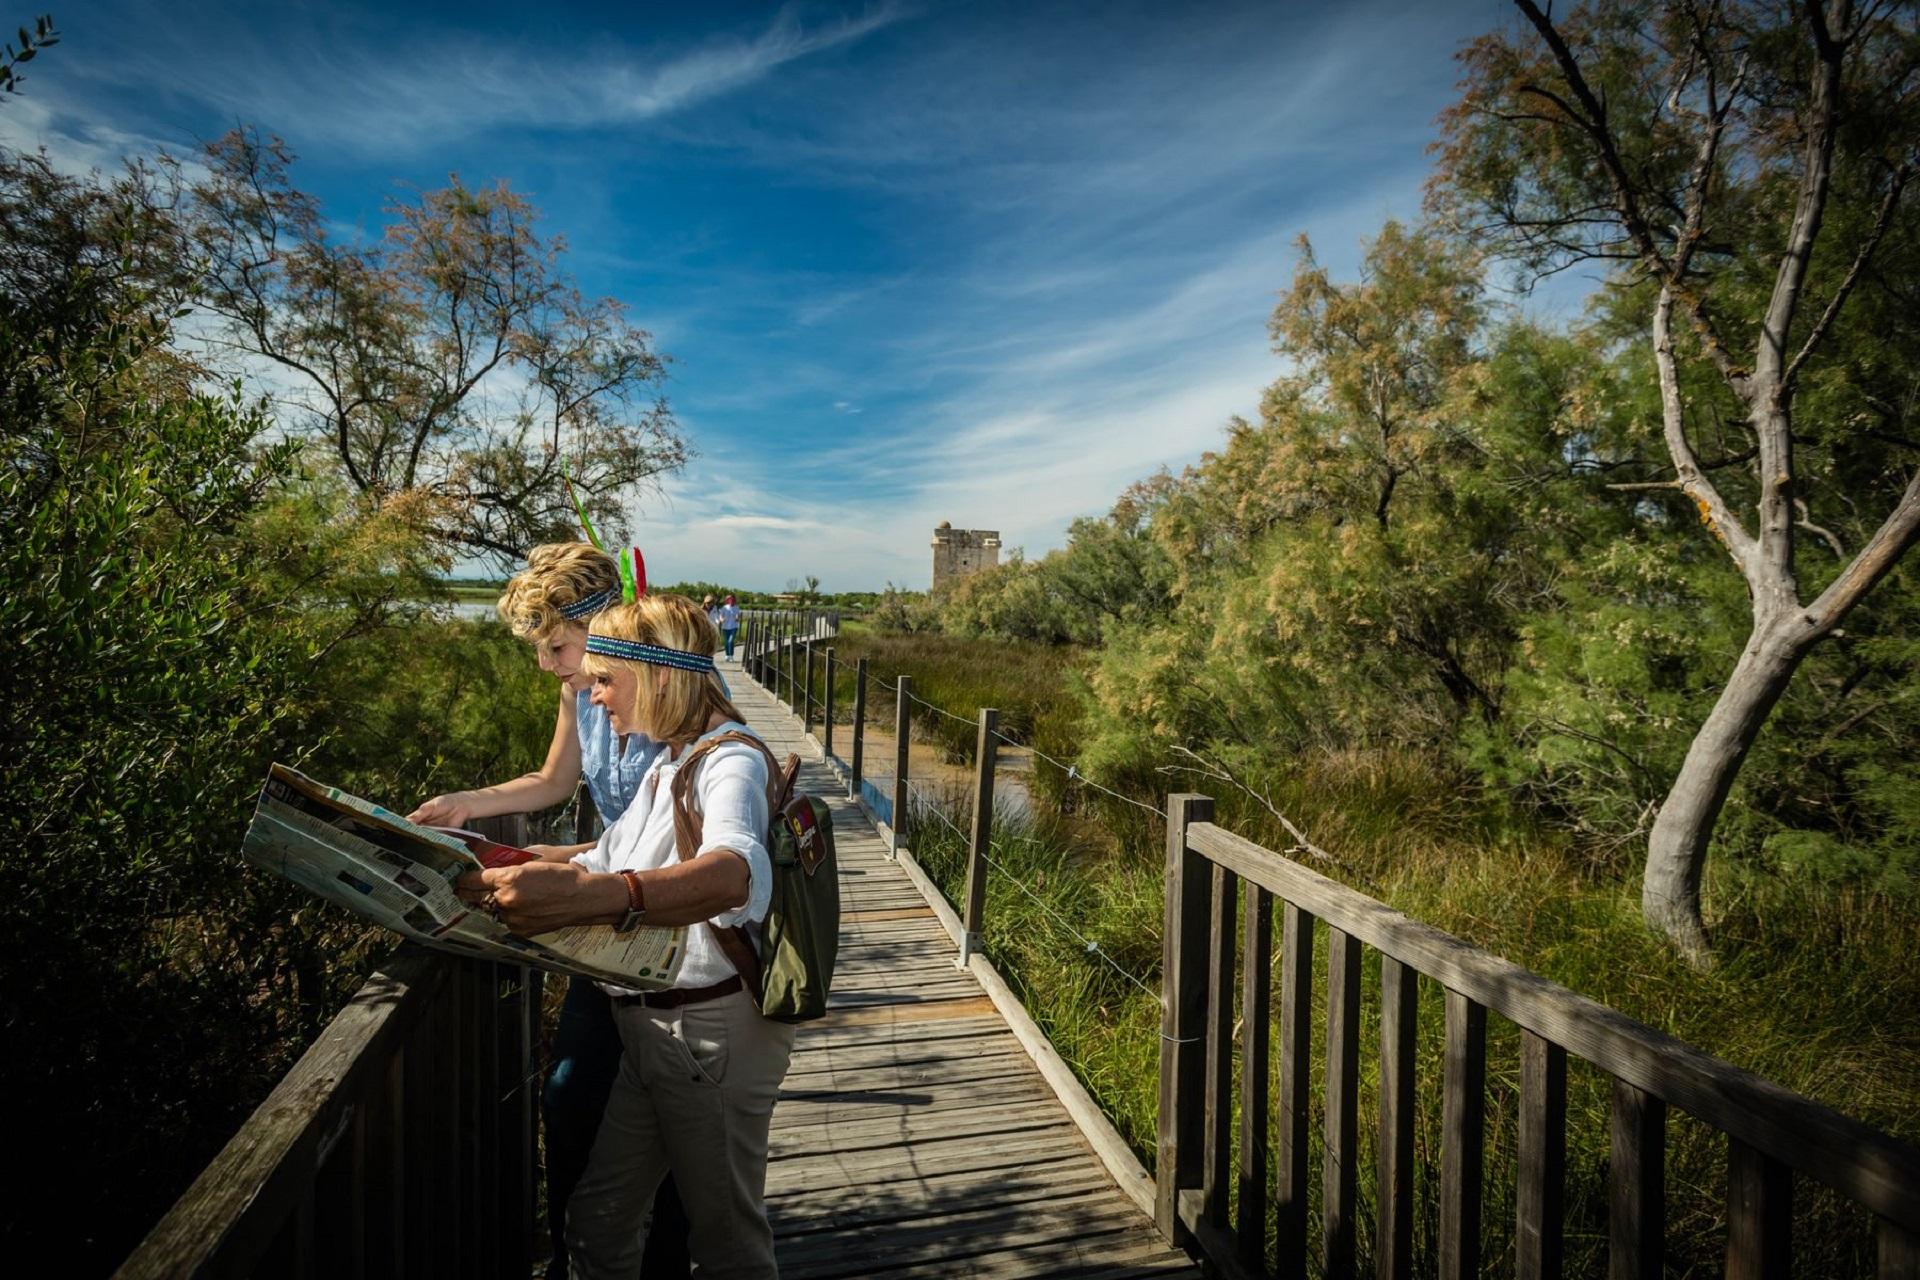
x=1863 y=1164
x=914 y=1135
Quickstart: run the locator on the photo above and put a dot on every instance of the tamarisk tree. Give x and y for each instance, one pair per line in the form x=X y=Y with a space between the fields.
x=451 y=365
x=1745 y=169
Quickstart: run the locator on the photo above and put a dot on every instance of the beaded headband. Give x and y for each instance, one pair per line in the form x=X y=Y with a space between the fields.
x=659 y=655
x=587 y=606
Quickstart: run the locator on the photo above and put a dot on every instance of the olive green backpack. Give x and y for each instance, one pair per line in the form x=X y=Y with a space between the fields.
x=790 y=972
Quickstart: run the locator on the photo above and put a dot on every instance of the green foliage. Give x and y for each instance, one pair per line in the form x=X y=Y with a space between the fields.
x=184 y=599
x=396 y=344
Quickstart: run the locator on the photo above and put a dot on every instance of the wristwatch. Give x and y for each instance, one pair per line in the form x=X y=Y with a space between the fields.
x=636 y=903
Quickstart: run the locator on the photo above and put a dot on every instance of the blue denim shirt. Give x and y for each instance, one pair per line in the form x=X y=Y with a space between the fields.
x=613 y=778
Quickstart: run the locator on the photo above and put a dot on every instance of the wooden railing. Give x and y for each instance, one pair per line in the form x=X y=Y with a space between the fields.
x=401 y=1144
x=1211 y=1180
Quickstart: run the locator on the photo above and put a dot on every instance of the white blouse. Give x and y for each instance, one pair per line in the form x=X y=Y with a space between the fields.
x=730 y=795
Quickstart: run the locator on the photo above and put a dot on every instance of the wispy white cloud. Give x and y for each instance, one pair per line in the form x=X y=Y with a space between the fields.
x=1038 y=254
x=341 y=81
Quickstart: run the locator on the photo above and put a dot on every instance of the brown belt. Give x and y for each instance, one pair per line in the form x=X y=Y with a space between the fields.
x=674 y=997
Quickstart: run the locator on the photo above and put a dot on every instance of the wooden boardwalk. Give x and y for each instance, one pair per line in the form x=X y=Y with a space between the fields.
x=914 y=1135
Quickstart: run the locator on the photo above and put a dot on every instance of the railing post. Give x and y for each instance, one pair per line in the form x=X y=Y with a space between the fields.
x=1637 y=1203
x=826 y=707
x=794 y=704
x=859 y=727
x=1183 y=969
x=902 y=729
x=786 y=662
x=976 y=901
x=806 y=690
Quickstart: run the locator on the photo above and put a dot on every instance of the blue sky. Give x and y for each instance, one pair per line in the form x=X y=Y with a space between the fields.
x=985 y=263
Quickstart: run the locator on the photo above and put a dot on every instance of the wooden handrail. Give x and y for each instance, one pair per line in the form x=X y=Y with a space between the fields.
x=1860 y=1162
x=232 y=1213
x=1772 y=1132
x=401 y=1143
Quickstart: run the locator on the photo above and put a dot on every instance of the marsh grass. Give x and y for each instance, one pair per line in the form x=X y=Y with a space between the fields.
x=1030 y=684
x=1815 y=987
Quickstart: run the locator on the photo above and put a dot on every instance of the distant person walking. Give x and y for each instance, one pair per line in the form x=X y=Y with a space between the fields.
x=728 y=618
x=712 y=610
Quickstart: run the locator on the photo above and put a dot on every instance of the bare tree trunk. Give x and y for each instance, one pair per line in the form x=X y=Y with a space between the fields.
x=1677 y=846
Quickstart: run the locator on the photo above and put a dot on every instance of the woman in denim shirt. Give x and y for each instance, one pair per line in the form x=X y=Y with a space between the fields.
x=549 y=604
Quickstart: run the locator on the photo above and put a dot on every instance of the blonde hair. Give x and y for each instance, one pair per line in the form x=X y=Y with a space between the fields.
x=676 y=710
x=557 y=574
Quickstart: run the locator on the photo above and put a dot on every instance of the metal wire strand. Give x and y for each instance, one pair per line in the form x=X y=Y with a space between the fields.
x=942 y=711
x=1074 y=775
x=1091 y=947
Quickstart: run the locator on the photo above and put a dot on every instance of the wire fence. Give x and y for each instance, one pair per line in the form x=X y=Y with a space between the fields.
x=926 y=803
x=929 y=803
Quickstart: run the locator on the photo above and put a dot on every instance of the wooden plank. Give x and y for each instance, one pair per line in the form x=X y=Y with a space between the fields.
x=924 y=1011
x=1540 y=1202
x=822 y=1170
x=1222 y=1255
x=1463 y=1110
x=1007 y=1067
x=806 y=689
x=1217 y=1130
x=339 y=1198
x=980 y=842
x=801 y=1198
x=826 y=707
x=1759 y=1215
x=805 y=1214
x=1256 y=1085
x=385 y=1178
x=1182 y=1034
x=1001 y=1052
x=476 y=1077
x=1873 y=1168
x=235 y=1209
x=291 y=1252
x=902 y=740
x=816 y=1039
x=1338 y=1180
x=1899 y=1253
x=954 y=1236
x=893 y=1131
x=1001 y=1257
x=1295 y=1101
x=1399 y=1019
x=859 y=760
x=430 y=1184
x=917 y=911
x=833 y=1104
x=1637 y=1200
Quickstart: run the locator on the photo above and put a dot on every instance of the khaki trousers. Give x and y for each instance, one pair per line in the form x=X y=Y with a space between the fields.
x=695 y=1095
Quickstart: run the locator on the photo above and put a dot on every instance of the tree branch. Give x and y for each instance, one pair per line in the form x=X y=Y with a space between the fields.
x=1692 y=479
x=1839 y=299
x=1889 y=542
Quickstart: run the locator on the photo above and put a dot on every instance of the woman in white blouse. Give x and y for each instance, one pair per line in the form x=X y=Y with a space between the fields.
x=701 y=1067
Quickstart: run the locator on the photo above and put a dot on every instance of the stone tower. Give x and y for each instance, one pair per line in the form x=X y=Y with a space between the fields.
x=960 y=552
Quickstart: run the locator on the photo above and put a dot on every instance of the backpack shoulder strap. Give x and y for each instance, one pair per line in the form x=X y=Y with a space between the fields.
x=735 y=942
